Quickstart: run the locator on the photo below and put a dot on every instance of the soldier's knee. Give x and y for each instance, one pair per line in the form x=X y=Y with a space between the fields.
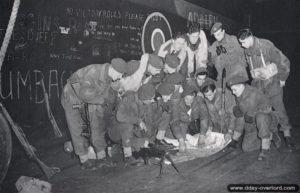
x=263 y=118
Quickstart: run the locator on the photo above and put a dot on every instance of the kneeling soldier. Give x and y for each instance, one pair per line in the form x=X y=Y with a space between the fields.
x=223 y=122
x=254 y=114
x=136 y=120
x=190 y=108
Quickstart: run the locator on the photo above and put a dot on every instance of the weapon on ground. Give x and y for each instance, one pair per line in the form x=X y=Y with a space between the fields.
x=223 y=100
x=155 y=151
x=55 y=127
x=49 y=171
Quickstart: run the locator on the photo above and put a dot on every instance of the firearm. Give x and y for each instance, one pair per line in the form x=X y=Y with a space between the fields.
x=223 y=100
x=155 y=151
x=53 y=122
x=30 y=150
x=83 y=109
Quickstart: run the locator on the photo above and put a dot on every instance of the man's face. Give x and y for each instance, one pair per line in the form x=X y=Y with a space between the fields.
x=210 y=95
x=178 y=88
x=219 y=35
x=188 y=100
x=238 y=89
x=114 y=75
x=193 y=37
x=200 y=79
x=166 y=98
x=168 y=69
x=247 y=42
x=179 y=43
x=152 y=70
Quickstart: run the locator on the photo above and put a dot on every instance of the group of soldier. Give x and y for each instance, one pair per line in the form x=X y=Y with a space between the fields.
x=171 y=93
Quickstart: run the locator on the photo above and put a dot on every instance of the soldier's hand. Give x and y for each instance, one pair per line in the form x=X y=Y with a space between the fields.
x=282 y=83
x=228 y=136
x=143 y=126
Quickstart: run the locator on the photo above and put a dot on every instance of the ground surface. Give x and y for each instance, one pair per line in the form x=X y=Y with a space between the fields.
x=211 y=174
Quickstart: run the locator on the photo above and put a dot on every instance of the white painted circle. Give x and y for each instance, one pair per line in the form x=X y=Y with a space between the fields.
x=147 y=20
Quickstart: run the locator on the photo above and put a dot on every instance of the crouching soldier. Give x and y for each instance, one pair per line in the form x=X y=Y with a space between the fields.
x=167 y=103
x=221 y=120
x=84 y=100
x=255 y=116
x=136 y=121
x=189 y=109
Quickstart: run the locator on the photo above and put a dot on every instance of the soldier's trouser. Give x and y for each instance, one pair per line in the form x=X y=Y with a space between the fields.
x=164 y=122
x=278 y=105
x=75 y=123
x=265 y=124
x=179 y=129
x=275 y=94
x=123 y=133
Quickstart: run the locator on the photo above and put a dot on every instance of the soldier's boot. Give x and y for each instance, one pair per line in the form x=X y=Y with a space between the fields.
x=86 y=163
x=234 y=142
x=265 y=149
x=103 y=161
x=288 y=139
x=289 y=143
x=129 y=159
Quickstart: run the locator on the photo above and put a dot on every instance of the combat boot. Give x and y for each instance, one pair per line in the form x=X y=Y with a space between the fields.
x=264 y=154
x=265 y=149
x=288 y=139
x=233 y=144
x=89 y=165
x=104 y=162
x=289 y=143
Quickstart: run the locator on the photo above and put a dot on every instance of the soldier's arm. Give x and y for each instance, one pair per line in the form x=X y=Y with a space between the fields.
x=281 y=61
x=162 y=52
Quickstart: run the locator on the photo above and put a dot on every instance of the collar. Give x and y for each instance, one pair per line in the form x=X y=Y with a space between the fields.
x=253 y=49
x=246 y=93
x=225 y=39
x=195 y=46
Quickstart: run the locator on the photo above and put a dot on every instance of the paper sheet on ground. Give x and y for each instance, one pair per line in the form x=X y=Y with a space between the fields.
x=214 y=142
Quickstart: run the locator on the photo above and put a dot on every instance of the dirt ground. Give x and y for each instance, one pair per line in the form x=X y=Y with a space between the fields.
x=211 y=174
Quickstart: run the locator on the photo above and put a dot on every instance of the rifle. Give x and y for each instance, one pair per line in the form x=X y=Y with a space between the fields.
x=83 y=109
x=223 y=100
x=55 y=127
x=155 y=151
x=49 y=171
